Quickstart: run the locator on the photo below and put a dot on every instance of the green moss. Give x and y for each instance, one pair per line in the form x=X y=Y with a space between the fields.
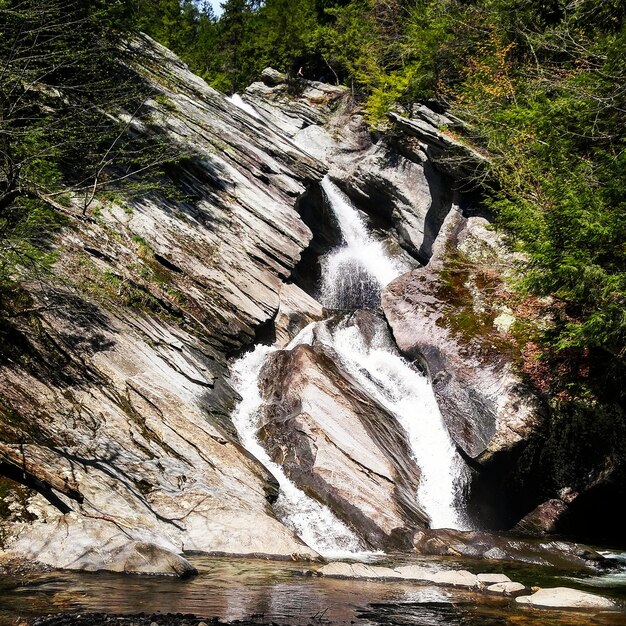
x=166 y=103
x=461 y=281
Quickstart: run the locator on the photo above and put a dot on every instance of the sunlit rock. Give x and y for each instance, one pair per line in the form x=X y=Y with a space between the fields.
x=506 y=588
x=564 y=597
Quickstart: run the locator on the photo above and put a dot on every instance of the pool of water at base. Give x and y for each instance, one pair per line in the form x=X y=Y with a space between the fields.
x=282 y=592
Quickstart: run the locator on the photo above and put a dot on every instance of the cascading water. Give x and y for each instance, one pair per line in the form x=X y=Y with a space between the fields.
x=396 y=385
x=354 y=273
x=313 y=522
x=238 y=101
x=353 y=276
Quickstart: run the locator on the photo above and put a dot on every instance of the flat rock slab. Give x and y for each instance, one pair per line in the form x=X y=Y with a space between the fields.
x=454 y=578
x=506 y=588
x=415 y=572
x=357 y=570
x=460 y=578
x=566 y=598
x=492 y=579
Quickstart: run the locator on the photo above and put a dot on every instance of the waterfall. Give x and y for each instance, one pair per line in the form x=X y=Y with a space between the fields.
x=312 y=521
x=353 y=276
x=393 y=383
x=354 y=273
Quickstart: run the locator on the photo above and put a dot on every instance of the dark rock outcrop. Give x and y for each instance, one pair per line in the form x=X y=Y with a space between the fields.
x=542 y=520
x=494 y=547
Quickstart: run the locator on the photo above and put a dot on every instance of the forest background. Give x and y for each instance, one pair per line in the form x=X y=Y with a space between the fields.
x=539 y=87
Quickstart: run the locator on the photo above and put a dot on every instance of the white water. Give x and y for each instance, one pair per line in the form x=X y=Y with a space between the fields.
x=353 y=276
x=396 y=385
x=238 y=101
x=354 y=273
x=313 y=522
x=612 y=579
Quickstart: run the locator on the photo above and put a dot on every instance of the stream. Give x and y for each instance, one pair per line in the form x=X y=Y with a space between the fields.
x=277 y=591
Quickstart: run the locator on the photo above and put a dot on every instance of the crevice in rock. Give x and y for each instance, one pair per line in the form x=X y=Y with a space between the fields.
x=167 y=264
x=316 y=214
x=496 y=499
x=442 y=198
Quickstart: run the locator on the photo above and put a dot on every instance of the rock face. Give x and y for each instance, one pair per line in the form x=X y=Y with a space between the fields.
x=442 y=316
x=114 y=389
x=338 y=445
x=463 y=163
x=391 y=178
x=482 y=545
x=136 y=558
x=296 y=310
x=542 y=520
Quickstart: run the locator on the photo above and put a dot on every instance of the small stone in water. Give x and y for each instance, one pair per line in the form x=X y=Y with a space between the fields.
x=506 y=588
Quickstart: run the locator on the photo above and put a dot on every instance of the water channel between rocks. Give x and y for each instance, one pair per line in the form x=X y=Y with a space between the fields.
x=353 y=275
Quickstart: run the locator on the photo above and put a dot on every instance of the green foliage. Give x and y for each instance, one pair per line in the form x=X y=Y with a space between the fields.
x=64 y=93
x=541 y=84
x=25 y=229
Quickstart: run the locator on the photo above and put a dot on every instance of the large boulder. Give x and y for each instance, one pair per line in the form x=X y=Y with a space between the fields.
x=136 y=558
x=337 y=444
x=445 y=316
x=566 y=598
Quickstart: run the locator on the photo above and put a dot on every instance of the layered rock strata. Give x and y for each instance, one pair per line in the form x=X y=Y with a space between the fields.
x=336 y=443
x=113 y=377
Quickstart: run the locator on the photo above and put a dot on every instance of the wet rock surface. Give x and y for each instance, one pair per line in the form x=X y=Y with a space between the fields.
x=440 y=315
x=337 y=444
x=491 y=546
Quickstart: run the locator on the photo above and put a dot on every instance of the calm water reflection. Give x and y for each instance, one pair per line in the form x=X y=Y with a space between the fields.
x=278 y=591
